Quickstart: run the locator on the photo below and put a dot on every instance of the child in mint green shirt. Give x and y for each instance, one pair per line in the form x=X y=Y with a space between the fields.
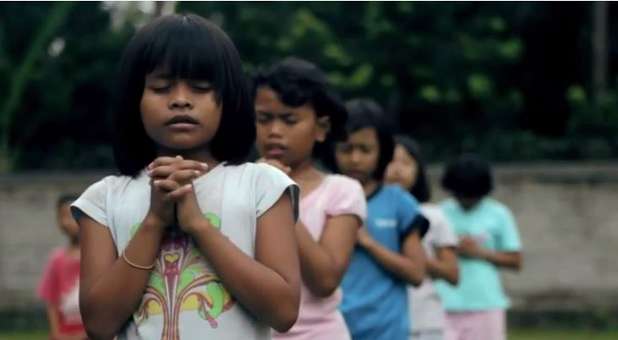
x=488 y=240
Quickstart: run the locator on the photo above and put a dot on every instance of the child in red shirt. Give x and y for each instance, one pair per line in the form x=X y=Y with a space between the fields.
x=59 y=286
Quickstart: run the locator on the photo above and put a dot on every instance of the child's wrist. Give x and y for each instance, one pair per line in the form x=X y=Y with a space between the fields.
x=152 y=221
x=367 y=243
x=485 y=254
x=197 y=226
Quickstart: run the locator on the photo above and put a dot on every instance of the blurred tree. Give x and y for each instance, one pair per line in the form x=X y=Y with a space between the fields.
x=599 y=49
x=446 y=72
x=513 y=81
x=62 y=118
x=21 y=75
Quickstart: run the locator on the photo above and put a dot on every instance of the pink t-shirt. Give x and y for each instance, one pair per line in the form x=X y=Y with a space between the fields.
x=319 y=318
x=59 y=287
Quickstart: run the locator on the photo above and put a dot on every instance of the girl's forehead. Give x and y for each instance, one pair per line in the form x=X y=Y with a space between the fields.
x=364 y=136
x=268 y=99
x=402 y=152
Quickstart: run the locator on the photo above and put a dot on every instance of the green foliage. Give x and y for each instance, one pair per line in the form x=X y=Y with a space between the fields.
x=21 y=76
x=590 y=117
x=62 y=119
x=453 y=75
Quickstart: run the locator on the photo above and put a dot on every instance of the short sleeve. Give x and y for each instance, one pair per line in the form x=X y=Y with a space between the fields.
x=270 y=184
x=508 y=236
x=49 y=288
x=93 y=203
x=346 y=198
x=407 y=211
x=442 y=229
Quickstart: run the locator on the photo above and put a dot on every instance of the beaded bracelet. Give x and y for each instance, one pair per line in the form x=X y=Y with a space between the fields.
x=124 y=257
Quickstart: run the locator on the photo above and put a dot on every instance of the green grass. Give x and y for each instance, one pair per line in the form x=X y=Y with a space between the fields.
x=34 y=335
x=564 y=334
x=515 y=334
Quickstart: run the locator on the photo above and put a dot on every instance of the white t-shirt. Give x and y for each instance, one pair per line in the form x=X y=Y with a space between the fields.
x=184 y=298
x=426 y=308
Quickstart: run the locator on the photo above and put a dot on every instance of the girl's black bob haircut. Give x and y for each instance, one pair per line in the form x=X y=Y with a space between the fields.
x=185 y=46
x=420 y=189
x=298 y=82
x=468 y=176
x=366 y=113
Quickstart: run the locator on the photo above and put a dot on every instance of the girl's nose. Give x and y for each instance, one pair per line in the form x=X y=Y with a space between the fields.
x=276 y=128
x=180 y=98
x=355 y=156
x=180 y=104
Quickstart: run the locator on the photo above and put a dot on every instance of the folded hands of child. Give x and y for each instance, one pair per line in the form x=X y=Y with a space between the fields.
x=173 y=200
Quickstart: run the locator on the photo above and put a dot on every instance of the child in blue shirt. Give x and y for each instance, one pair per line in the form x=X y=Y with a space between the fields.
x=488 y=241
x=389 y=255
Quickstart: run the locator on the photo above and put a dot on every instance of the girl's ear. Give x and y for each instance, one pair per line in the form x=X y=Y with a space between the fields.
x=323 y=128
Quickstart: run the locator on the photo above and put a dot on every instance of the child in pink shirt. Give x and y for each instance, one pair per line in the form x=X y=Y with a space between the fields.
x=297 y=119
x=59 y=286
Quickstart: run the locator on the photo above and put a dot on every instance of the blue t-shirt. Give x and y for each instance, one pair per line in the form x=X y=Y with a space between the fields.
x=492 y=225
x=375 y=301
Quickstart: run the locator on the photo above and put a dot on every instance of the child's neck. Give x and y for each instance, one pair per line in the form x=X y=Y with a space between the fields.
x=307 y=176
x=303 y=170
x=370 y=186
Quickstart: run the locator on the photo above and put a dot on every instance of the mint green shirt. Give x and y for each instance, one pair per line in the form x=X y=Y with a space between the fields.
x=492 y=225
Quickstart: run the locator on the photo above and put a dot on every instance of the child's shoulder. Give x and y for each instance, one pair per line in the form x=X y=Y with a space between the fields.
x=260 y=176
x=107 y=188
x=495 y=206
x=431 y=209
x=253 y=171
x=114 y=182
x=448 y=204
x=396 y=192
x=247 y=168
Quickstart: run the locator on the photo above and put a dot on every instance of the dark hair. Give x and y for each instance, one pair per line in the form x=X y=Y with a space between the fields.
x=189 y=47
x=66 y=198
x=421 y=189
x=366 y=113
x=468 y=176
x=298 y=82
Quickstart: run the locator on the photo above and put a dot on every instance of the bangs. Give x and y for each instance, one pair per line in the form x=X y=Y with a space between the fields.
x=188 y=47
x=298 y=82
x=184 y=47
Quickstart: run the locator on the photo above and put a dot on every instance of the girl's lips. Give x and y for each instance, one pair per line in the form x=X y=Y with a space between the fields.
x=275 y=152
x=182 y=126
x=355 y=174
x=182 y=119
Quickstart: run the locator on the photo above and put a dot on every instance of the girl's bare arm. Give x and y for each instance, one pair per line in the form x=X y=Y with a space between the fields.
x=507 y=259
x=323 y=263
x=408 y=266
x=52 y=318
x=444 y=266
x=111 y=289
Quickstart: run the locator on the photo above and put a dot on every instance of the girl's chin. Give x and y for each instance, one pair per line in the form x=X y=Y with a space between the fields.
x=356 y=176
x=181 y=146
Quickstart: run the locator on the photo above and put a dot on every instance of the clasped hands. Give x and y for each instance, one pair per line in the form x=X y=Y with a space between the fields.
x=172 y=198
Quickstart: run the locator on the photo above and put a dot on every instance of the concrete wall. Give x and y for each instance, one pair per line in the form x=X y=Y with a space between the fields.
x=567 y=214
